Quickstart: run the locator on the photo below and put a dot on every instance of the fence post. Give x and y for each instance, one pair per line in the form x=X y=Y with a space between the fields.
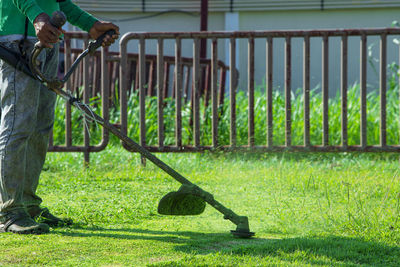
x=269 y=75
x=178 y=92
x=325 y=89
x=86 y=134
x=214 y=91
x=196 y=91
x=363 y=92
x=383 y=65
x=288 y=92
x=232 y=83
x=306 y=90
x=251 y=140
x=344 y=65
x=160 y=95
x=142 y=94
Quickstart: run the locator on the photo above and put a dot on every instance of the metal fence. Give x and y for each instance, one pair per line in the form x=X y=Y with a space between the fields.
x=72 y=85
x=142 y=39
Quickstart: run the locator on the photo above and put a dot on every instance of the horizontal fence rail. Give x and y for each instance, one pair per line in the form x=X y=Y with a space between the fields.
x=205 y=121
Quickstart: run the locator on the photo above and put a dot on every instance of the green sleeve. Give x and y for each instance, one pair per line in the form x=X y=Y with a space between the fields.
x=77 y=16
x=29 y=8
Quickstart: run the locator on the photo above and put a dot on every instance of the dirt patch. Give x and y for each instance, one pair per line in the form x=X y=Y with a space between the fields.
x=13 y=260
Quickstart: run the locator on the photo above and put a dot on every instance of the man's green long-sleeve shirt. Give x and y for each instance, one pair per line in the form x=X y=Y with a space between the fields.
x=13 y=14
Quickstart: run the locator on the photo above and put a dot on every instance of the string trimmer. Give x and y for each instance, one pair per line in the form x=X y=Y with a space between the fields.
x=190 y=199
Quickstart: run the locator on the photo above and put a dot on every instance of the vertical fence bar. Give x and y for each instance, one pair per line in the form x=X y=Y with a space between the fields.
x=106 y=91
x=251 y=91
x=269 y=75
x=160 y=95
x=173 y=85
x=383 y=63
x=196 y=91
x=142 y=90
x=306 y=90
x=325 y=89
x=178 y=92
x=86 y=134
x=150 y=79
x=344 y=70
x=95 y=74
x=205 y=85
x=78 y=77
x=221 y=94
x=232 y=94
x=123 y=90
x=166 y=79
x=363 y=91
x=137 y=76
x=186 y=85
x=288 y=90
x=67 y=58
x=214 y=91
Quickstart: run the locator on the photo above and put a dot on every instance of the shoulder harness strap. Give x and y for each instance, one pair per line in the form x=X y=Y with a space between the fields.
x=22 y=43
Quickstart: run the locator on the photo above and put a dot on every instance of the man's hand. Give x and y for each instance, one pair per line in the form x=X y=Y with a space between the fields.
x=45 y=32
x=100 y=27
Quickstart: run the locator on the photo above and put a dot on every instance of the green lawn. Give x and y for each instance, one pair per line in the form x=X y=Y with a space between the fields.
x=306 y=210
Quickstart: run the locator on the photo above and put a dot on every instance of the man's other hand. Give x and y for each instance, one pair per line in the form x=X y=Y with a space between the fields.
x=45 y=32
x=100 y=27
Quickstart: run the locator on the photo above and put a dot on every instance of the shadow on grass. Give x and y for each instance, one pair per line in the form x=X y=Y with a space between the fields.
x=349 y=251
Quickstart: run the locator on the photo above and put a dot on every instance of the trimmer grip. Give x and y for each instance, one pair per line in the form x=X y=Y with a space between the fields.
x=58 y=19
x=99 y=41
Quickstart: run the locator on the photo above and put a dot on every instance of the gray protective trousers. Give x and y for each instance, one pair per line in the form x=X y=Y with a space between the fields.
x=27 y=117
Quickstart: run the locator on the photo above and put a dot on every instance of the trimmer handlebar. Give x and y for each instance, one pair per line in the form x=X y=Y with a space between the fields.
x=93 y=45
x=58 y=19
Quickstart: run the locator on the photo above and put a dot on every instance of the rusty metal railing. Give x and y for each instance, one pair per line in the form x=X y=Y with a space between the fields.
x=86 y=148
x=113 y=65
x=268 y=36
x=99 y=74
x=217 y=71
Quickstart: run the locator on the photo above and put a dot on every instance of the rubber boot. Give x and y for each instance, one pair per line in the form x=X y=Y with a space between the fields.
x=21 y=223
x=43 y=215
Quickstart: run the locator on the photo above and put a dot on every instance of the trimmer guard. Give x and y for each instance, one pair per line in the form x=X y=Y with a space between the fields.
x=181 y=202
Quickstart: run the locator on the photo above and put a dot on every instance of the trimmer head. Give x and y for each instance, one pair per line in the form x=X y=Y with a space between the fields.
x=181 y=203
x=242 y=233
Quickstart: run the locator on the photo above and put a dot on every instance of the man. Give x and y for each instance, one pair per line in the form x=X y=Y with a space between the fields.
x=27 y=107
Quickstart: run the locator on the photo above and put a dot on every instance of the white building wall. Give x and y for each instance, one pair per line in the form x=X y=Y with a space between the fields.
x=170 y=22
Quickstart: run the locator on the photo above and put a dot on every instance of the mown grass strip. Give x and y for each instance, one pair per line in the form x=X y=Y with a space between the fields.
x=306 y=209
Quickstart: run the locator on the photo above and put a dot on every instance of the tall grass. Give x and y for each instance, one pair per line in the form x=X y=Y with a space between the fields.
x=373 y=118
